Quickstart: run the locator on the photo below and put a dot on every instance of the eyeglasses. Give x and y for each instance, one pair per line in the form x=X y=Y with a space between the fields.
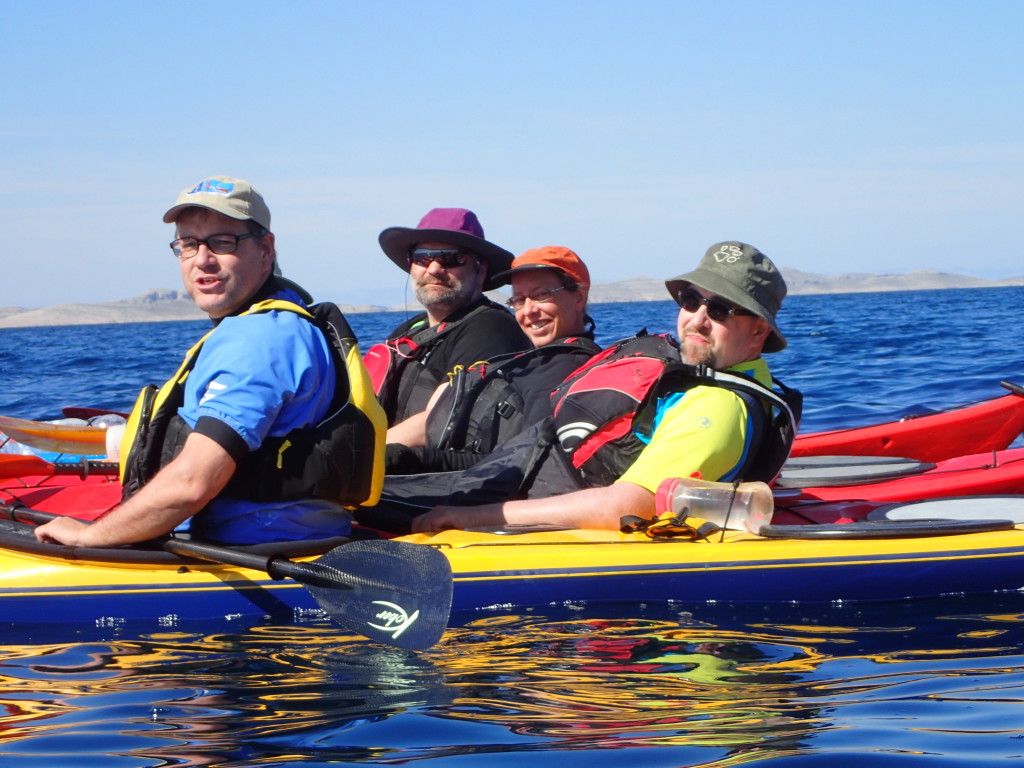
x=543 y=296
x=424 y=257
x=718 y=310
x=221 y=245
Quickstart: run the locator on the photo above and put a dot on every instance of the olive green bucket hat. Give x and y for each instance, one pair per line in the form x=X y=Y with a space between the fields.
x=743 y=275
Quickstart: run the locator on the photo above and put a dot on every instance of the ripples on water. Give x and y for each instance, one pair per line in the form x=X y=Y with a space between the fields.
x=935 y=681
x=870 y=685
x=44 y=369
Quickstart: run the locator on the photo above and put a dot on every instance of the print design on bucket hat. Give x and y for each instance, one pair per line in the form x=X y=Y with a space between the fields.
x=743 y=275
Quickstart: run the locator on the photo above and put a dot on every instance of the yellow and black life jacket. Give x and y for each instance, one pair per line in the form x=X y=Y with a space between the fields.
x=340 y=459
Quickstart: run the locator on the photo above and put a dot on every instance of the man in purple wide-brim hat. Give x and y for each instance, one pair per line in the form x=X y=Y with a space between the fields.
x=450 y=265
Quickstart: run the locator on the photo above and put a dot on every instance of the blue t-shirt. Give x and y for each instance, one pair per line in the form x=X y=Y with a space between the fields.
x=263 y=375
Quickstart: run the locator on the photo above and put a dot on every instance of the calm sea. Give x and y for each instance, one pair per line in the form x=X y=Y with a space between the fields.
x=932 y=682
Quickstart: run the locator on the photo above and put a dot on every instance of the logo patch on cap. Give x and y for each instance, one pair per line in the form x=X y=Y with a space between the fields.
x=213 y=187
x=728 y=254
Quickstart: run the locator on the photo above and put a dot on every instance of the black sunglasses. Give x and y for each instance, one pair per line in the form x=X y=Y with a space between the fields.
x=424 y=257
x=718 y=310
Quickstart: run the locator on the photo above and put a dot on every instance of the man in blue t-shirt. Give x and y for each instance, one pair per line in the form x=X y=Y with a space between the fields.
x=256 y=376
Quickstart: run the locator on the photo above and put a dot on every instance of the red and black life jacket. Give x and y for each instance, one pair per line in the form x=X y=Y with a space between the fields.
x=489 y=402
x=600 y=408
x=397 y=366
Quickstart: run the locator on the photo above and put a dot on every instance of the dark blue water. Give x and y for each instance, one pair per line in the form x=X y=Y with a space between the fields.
x=859 y=358
x=936 y=682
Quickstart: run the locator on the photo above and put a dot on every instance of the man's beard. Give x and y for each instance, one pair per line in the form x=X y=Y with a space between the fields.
x=452 y=295
x=703 y=354
x=435 y=295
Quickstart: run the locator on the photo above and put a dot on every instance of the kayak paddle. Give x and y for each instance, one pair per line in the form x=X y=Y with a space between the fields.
x=17 y=465
x=390 y=591
x=393 y=592
x=1014 y=388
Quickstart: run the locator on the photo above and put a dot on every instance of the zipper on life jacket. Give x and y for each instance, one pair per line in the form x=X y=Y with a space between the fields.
x=280 y=453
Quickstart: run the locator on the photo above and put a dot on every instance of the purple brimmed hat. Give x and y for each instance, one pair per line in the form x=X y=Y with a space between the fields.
x=458 y=226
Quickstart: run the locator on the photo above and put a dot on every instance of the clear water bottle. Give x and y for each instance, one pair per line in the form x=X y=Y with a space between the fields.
x=735 y=507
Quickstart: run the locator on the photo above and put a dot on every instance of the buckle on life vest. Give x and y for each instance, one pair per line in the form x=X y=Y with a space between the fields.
x=505 y=409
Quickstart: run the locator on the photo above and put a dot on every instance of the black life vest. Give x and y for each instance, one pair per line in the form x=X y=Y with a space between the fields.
x=396 y=381
x=488 y=402
x=340 y=459
x=600 y=408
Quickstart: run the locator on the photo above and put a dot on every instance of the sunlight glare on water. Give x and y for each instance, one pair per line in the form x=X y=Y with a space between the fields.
x=682 y=688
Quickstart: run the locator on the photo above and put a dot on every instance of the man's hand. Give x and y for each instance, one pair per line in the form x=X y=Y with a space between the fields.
x=63 y=530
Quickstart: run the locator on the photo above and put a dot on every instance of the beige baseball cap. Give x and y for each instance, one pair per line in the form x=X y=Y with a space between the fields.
x=234 y=198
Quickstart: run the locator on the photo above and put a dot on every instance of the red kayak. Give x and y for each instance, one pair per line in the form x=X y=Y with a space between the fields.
x=952 y=453
x=865 y=486
x=987 y=426
x=819 y=490
x=84 y=498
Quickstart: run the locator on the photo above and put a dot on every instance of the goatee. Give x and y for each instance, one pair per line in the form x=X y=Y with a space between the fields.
x=693 y=354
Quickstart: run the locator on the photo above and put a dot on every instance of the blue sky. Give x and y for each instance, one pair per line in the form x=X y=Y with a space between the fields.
x=835 y=136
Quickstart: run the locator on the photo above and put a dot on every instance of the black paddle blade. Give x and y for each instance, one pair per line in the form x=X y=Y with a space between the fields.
x=390 y=591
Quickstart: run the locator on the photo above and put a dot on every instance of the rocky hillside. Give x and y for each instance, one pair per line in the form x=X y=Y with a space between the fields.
x=164 y=304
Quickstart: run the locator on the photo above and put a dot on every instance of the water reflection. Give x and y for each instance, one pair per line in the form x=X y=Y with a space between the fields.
x=714 y=687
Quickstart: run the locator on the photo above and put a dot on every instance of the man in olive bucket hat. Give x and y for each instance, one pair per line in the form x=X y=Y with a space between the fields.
x=450 y=265
x=700 y=428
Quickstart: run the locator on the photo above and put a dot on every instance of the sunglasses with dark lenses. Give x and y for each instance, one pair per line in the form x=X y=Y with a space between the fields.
x=718 y=310
x=424 y=257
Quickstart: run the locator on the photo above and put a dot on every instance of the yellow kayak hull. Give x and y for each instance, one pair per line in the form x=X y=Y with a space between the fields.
x=509 y=572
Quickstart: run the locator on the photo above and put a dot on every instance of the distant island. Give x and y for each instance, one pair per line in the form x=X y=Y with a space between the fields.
x=165 y=304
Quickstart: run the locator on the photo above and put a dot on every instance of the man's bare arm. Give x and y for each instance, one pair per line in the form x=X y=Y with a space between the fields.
x=413 y=431
x=177 y=492
x=589 y=508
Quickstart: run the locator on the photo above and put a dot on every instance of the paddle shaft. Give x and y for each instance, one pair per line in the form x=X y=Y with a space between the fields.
x=1015 y=388
x=18 y=464
x=275 y=566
